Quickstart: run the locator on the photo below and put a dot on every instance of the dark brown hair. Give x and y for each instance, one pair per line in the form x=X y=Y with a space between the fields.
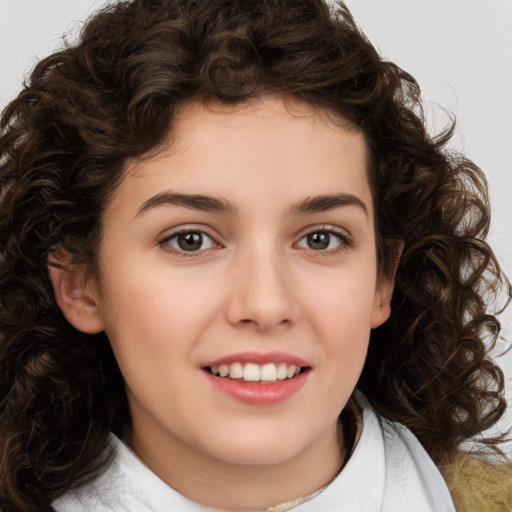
x=113 y=96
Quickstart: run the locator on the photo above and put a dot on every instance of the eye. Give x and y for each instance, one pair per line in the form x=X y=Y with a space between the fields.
x=323 y=241
x=189 y=241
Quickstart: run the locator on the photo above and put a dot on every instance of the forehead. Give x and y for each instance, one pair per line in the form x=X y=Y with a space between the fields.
x=243 y=122
x=266 y=110
x=267 y=146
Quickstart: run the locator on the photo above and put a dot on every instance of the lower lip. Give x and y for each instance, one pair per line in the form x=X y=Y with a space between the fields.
x=255 y=393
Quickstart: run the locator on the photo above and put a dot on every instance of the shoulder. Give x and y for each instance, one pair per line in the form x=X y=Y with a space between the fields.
x=473 y=484
x=479 y=485
x=126 y=485
x=411 y=477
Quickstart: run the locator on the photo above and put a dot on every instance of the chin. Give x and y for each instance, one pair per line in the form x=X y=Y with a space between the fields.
x=249 y=451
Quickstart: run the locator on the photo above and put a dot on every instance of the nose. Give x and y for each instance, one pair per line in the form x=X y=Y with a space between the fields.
x=262 y=294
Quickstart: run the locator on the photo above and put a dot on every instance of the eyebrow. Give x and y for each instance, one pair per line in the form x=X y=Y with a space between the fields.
x=323 y=203
x=206 y=203
x=198 y=202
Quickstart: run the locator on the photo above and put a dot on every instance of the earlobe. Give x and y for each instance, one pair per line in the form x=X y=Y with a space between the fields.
x=384 y=289
x=382 y=302
x=75 y=295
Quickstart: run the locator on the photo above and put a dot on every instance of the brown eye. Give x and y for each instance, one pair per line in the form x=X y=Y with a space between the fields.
x=190 y=241
x=318 y=241
x=323 y=241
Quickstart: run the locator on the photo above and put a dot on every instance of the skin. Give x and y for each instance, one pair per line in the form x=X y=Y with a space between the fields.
x=256 y=284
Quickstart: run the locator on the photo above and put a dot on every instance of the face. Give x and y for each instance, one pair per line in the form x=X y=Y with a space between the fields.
x=238 y=284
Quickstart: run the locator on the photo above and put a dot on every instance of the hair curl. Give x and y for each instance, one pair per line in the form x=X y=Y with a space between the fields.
x=113 y=96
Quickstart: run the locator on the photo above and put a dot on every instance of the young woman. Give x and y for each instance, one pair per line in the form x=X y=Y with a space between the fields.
x=236 y=272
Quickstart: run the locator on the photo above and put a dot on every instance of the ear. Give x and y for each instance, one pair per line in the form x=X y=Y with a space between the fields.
x=382 y=301
x=384 y=290
x=75 y=293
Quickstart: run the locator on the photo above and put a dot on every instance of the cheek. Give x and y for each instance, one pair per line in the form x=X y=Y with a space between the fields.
x=153 y=328
x=345 y=303
x=155 y=308
x=341 y=321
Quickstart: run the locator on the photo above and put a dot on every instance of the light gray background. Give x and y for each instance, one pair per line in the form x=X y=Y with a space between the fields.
x=459 y=50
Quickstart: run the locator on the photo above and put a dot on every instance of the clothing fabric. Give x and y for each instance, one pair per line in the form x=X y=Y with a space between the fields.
x=388 y=471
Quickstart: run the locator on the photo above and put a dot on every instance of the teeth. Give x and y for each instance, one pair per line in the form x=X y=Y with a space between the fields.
x=251 y=372
x=236 y=371
x=282 y=371
x=268 y=372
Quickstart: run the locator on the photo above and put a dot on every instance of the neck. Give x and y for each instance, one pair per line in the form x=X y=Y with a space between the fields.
x=230 y=486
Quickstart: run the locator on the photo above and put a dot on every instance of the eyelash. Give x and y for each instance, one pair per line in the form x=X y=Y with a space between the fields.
x=345 y=242
x=164 y=243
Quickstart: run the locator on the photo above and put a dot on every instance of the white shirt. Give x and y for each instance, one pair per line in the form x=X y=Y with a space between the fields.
x=388 y=471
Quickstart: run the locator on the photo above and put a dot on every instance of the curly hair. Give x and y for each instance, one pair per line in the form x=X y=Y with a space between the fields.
x=113 y=96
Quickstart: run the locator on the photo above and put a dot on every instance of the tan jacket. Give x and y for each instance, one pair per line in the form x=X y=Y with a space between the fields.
x=478 y=486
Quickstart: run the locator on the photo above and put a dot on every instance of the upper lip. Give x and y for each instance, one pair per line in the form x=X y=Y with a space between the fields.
x=259 y=358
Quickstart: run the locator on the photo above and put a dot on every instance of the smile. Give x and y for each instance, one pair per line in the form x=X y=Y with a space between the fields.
x=258 y=379
x=252 y=372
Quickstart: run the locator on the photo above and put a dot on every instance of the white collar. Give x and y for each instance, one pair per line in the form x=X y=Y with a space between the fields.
x=388 y=471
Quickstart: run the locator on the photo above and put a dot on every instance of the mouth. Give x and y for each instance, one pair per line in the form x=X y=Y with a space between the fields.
x=258 y=379
x=267 y=373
